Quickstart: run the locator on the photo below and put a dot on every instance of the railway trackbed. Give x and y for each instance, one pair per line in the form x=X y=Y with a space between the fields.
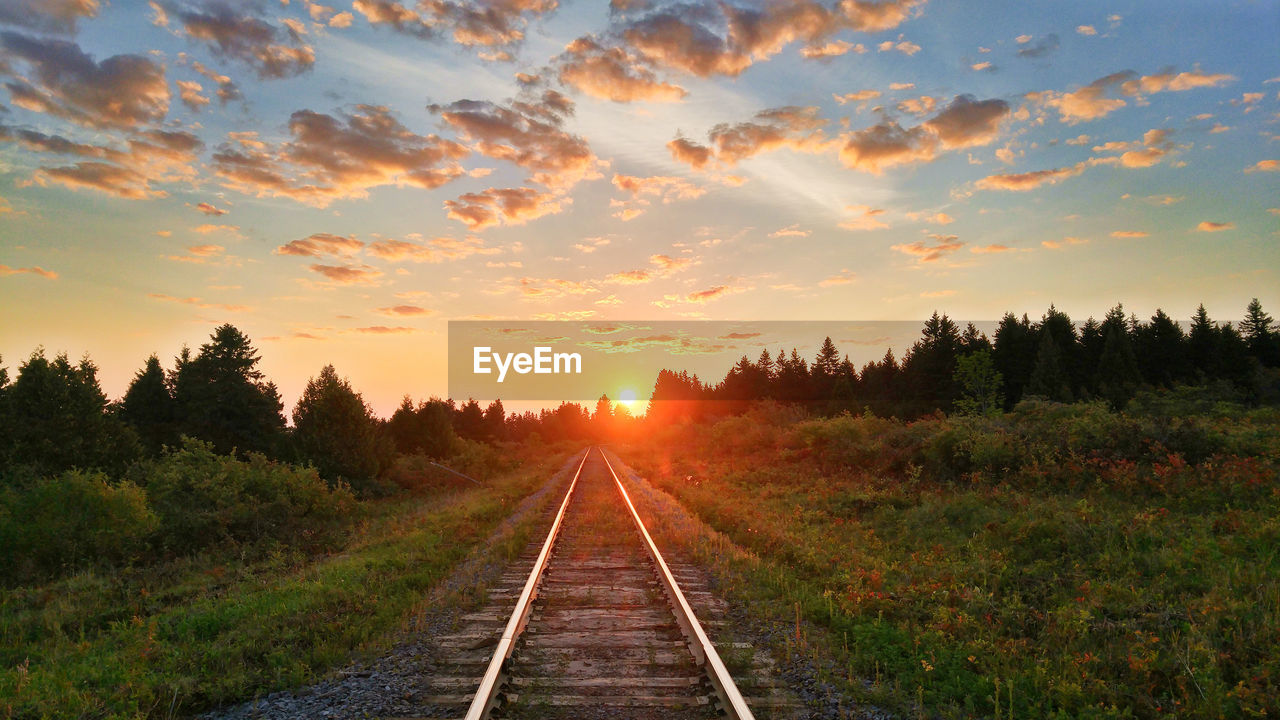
x=594 y=623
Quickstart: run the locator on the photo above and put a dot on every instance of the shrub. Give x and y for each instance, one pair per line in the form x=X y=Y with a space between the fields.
x=203 y=499
x=69 y=520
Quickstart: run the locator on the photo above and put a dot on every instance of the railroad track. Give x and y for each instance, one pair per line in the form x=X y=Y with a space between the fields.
x=598 y=625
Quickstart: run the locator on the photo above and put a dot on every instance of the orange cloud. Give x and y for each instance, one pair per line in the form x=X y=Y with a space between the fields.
x=669 y=189
x=664 y=265
x=484 y=25
x=347 y=274
x=1022 y=182
x=321 y=244
x=1058 y=244
x=613 y=74
x=1154 y=147
x=209 y=209
x=48 y=16
x=189 y=92
x=384 y=330
x=924 y=252
x=404 y=310
x=151 y=156
x=1264 y=166
x=551 y=288
x=888 y=145
x=504 y=206
x=227 y=90
x=867 y=218
x=33 y=270
x=1129 y=234
x=832 y=49
x=1092 y=102
x=967 y=122
x=528 y=133
x=922 y=105
x=860 y=96
x=271 y=51
x=1209 y=226
x=686 y=151
x=1174 y=82
x=990 y=249
x=789 y=231
x=330 y=158
x=435 y=250
x=714 y=293
x=123 y=91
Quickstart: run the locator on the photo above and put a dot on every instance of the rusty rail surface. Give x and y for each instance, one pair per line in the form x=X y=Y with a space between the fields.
x=487 y=693
x=700 y=646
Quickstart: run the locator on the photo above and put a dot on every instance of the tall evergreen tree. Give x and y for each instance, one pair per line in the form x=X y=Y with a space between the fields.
x=1092 y=341
x=1048 y=378
x=1202 y=346
x=1015 y=355
x=1058 y=324
x=1118 y=375
x=58 y=419
x=1162 y=357
x=823 y=375
x=973 y=341
x=223 y=398
x=469 y=421
x=148 y=407
x=981 y=387
x=1260 y=333
x=495 y=421
x=929 y=368
x=335 y=431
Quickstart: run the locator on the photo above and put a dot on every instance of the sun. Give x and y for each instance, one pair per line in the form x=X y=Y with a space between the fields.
x=627 y=397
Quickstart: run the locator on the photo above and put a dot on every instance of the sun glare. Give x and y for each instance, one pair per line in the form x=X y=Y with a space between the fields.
x=627 y=398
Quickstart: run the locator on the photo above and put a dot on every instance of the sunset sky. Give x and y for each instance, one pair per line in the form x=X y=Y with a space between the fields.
x=338 y=180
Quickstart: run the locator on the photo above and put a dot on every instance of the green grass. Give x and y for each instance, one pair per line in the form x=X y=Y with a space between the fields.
x=186 y=635
x=1128 y=589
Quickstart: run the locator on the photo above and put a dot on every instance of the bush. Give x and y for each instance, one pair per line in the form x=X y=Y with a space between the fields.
x=70 y=520
x=204 y=499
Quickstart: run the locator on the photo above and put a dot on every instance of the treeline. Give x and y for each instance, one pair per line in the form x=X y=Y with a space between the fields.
x=950 y=370
x=54 y=417
x=199 y=458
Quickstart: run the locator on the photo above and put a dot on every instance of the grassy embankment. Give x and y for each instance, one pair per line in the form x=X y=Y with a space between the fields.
x=1058 y=561
x=170 y=638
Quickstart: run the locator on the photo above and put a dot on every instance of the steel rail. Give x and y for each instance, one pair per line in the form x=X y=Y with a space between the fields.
x=487 y=693
x=700 y=645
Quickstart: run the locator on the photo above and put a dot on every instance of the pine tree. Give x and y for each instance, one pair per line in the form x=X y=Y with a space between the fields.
x=1260 y=333
x=148 y=407
x=827 y=362
x=1015 y=355
x=58 y=419
x=1118 y=375
x=469 y=421
x=495 y=421
x=222 y=397
x=981 y=387
x=929 y=368
x=1161 y=352
x=1201 y=346
x=1048 y=379
x=335 y=431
